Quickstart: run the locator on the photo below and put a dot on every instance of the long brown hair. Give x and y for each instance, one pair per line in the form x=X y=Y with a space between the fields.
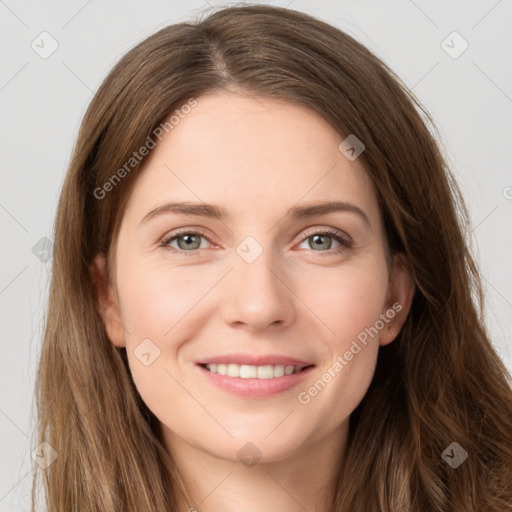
x=438 y=383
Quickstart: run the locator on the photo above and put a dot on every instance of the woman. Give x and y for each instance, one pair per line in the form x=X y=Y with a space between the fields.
x=203 y=351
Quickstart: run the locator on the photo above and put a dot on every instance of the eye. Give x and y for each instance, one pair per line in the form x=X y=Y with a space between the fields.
x=187 y=241
x=321 y=241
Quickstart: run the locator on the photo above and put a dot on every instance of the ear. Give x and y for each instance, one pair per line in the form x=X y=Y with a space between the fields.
x=401 y=290
x=108 y=303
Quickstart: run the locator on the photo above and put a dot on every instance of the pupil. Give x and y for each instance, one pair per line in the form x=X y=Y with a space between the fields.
x=325 y=245
x=189 y=240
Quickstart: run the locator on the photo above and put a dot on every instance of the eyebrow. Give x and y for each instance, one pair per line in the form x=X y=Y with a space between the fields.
x=217 y=212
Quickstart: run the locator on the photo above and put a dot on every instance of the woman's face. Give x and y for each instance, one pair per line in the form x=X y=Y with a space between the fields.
x=244 y=280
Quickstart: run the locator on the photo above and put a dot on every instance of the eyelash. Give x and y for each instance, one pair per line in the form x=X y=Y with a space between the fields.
x=345 y=241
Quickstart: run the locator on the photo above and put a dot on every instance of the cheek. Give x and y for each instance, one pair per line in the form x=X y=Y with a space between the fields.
x=155 y=298
x=346 y=300
x=158 y=304
x=350 y=304
x=165 y=305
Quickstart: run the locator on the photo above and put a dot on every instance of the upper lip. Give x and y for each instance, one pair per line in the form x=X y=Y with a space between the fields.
x=255 y=360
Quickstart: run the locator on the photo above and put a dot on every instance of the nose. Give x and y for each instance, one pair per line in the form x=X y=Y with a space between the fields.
x=258 y=295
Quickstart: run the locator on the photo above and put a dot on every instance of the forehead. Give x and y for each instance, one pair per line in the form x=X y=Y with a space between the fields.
x=251 y=156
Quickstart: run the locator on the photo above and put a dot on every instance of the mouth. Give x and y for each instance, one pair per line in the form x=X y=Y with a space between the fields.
x=245 y=371
x=252 y=376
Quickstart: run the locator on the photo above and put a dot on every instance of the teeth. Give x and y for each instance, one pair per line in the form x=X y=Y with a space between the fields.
x=233 y=370
x=245 y=371
x=248 y=372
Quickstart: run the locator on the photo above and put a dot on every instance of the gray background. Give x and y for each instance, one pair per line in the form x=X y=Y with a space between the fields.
x=42 y=101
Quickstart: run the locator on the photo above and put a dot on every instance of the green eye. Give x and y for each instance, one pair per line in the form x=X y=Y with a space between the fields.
x=188 y=241
x=322 y=241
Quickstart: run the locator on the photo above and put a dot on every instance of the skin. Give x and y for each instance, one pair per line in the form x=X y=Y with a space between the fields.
x=256 y=158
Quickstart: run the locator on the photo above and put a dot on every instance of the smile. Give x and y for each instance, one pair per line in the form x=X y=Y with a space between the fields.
x=245 y=371
x=255 y=380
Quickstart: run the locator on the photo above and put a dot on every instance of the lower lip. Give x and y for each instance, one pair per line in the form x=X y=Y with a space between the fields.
x=256 y=388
